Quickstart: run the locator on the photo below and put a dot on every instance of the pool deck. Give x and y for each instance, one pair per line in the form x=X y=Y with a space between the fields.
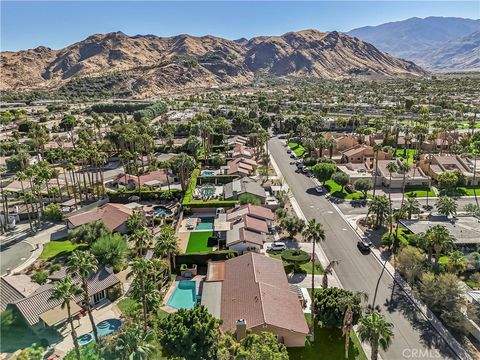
x=199 y=285
x=83 y=326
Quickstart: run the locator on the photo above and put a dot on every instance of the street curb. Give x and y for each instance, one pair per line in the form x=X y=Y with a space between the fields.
x=452 y=343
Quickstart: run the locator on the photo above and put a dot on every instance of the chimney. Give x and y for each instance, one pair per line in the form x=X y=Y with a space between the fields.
x=241 y=329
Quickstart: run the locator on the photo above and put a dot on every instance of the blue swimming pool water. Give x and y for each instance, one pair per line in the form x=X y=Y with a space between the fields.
x=105 y=327
x=208 y=173
x=184 y=295
x=206 y=223
x=162 y=211
x=85 y=339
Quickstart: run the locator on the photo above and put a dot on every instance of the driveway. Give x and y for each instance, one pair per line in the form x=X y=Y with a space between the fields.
x=360 y=272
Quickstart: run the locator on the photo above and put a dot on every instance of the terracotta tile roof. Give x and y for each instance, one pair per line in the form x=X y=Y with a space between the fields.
x=254 y=224
x=216 y=271
x=255 y=288
x=160 y=175
x=113 y=215
x=257 y=211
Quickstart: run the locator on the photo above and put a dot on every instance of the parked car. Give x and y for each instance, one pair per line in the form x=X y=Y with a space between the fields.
x=319 y=189
x=289 y=151
x=364 y=245
x=427 y=207
x=293 y=156
x=277 y=246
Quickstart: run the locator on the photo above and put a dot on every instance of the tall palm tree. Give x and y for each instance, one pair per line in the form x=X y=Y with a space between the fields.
x=141 y=268
x=404 y=167
x=66 y=291
x=381 y=208
x=412 y=206
x=391 y=168
x=20 y=176
x=167 y=245
x=348 y=317
x=456 y=262
x=134 y=343
x=375 y=330
x=440 y=239
x=446 y=205
x=328 y=270
x=376 y=149
x=84 y=264
x=313 y=233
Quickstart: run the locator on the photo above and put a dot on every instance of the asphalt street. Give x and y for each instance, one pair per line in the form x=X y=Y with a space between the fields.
x=414 y=336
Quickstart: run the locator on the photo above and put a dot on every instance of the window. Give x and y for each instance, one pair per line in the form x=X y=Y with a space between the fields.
x=98 y=296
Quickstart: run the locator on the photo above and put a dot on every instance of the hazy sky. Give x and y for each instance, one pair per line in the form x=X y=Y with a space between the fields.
x=27 y=24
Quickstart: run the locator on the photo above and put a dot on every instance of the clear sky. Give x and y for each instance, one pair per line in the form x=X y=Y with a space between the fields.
x=56 y=24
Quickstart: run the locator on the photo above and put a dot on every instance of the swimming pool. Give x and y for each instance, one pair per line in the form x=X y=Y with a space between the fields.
x=162 y=211
x=205 y=223
x=208 y=173
x=105 y=327
x=184 y=295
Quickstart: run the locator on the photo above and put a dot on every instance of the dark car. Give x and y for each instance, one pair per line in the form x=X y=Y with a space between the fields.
x=427 y=207
x=364 y=245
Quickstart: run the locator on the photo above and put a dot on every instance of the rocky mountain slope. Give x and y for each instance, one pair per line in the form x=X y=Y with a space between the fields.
x=153 y=64
x=417 y=39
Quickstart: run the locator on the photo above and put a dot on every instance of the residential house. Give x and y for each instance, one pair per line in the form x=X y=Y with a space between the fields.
x=361 y=153
x=251 y=293
x=237 y=140
x=241 y=151
x=240 y=166
x=152 y=179
x=435 y=165
x=35 y=302
x=258 y=212
x=415 y=177
x=114 y=216
x=245 y=185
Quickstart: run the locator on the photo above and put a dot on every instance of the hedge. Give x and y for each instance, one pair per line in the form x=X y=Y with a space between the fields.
x=221 y=179
x=150 y=112
x=192 y=184
x=119 y=107
x=123 y=196
x=210 y=204
x=201 y=259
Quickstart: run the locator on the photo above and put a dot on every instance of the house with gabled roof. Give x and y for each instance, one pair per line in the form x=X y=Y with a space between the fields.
x=251 y=293
x=114 y=216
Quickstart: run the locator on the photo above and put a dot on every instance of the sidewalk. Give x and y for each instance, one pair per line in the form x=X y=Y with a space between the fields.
x=420 y=305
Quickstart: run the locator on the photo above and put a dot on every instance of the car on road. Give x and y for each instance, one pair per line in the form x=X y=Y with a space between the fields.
x=277 y=246
x=319 y=189
x=364 y=245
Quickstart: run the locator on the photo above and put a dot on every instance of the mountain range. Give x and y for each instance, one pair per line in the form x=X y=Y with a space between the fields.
x=435 y=43
x=150 y=64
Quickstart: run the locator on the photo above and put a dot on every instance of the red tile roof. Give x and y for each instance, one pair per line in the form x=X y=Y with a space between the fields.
x=255 y=288
x=257 y=211
x=112 y=215
x=160 y=175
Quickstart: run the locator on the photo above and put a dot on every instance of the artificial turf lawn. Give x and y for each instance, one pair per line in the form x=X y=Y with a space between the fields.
x=336 y=190
x=198 y=242
x=329 y=344
x=298 y=149
x=55 y=248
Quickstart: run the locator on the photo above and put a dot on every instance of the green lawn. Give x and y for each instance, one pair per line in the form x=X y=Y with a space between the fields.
x=56 y=248
x=409 y=155
x=198 y=242
x=336 y=190
x=462 y=191
x=298 y=149
x=15 y=334
x=127 y=305
x=329 y=344
x=302 y=269
x=419 y=191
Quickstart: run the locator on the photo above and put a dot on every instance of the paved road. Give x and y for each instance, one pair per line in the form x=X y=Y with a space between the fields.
x=413 y=334
x=348 y=209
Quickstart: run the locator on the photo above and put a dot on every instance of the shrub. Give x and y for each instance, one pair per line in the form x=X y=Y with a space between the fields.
x=249 y=199
x=54 y=268
x=40 y=277
x=295 y=256
x=53 y=212
x=111 y=249
x=192 y=184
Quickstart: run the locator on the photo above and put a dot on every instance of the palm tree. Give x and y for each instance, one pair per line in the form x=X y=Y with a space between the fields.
x=381 y=208
x=183 y=165
x=446 y=206
x=84 y=264
x=20 y=176
x=376 y=149
x=348 y=320
x=167 y=245
x=411 y=206
x=375 y=330
x=328 y=270
x=134 y=343
x=391 y=168
x=142 y=238
x=456 y=262
x=440 y=240
x=66 y=291
x=404 y=167
x=141 y=268
x=313 y=233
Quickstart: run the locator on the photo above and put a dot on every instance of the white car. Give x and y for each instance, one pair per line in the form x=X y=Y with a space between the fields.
x=319 y=189
x=277 y=246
